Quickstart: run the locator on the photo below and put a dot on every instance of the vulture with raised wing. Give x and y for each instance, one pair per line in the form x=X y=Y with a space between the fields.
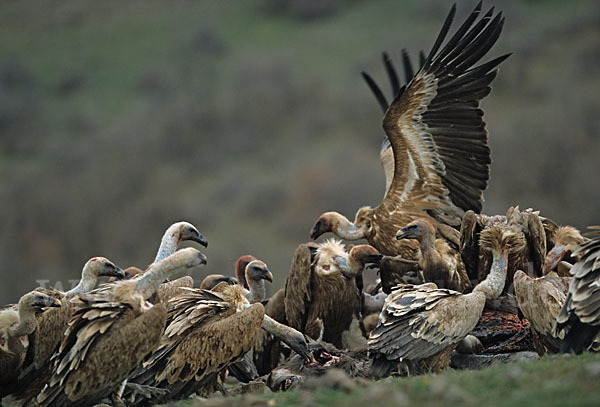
x=52 y=324
x=16 y=326
x=110 y=334
x=207 y=332
x=579 y=318
x=439 y=142
x=421 y=325
x=439 y=263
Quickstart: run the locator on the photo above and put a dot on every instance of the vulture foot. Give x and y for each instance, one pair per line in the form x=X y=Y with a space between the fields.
x=141 y=390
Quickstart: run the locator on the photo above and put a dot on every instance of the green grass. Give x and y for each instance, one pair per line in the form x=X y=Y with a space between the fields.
x=553 y=380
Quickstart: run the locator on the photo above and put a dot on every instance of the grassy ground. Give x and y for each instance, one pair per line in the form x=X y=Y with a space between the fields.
x=553 y=380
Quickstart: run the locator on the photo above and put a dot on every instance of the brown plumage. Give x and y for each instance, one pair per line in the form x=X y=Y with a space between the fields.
x=419 y=326
x=528 y=223
x=207 y=332
x=439 y=263
x=321 y=295
x=540 y=300
x=52 y=324
x=439 y=142
x=16 y=327
x=579 y=318
x=109 y=335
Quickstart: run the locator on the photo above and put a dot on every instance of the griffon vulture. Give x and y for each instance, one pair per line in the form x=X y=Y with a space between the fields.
x=109 y=335
x=439 y=142
x=421 y=325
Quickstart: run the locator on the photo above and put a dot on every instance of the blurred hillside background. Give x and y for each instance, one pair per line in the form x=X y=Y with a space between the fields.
x=250 y=118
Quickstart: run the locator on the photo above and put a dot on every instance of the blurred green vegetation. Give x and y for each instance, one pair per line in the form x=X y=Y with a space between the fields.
x=250 y=118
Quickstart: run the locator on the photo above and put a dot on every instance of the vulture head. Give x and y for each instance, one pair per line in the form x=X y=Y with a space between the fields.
x=331 y=257
x=340 y=225
x=419 y=229
x=566 y=240
x=240 y=269
x=102 y=267
x=212 y=280
x=35 y=301
x=257 y=270
x=187 y=231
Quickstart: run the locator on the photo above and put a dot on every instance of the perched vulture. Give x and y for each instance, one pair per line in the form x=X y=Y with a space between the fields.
x=579 y=317
x=109 y=335
x=540 y=300
x=439 y=142
x=207 y=332
x=530 y=258
x=421 y=325
x=321 y=298
x=16 y=326
x=52 y=324
x=440 y=264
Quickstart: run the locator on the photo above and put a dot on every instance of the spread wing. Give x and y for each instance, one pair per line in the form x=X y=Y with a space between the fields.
x=436 y=128
x=417 y=321
x=386 y=154
x=297 y=288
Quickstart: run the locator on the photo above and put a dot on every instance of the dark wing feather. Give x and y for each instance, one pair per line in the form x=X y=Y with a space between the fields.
x=436 y=128
x=101 y=347
x=204 y=336
x=385 y=154
x=582 y=305
x=297 y=288
x=420 y=321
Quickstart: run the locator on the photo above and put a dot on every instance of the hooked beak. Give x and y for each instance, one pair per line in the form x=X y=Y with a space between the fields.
x=404 y=234
x=48 y=301
x=554 y=257
x=268 y=275
x=116 y=272
x=203 y=259
x=200 y=239
x=342 y=264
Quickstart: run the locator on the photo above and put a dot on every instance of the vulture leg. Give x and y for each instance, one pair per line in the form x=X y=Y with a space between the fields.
x=145 y=391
